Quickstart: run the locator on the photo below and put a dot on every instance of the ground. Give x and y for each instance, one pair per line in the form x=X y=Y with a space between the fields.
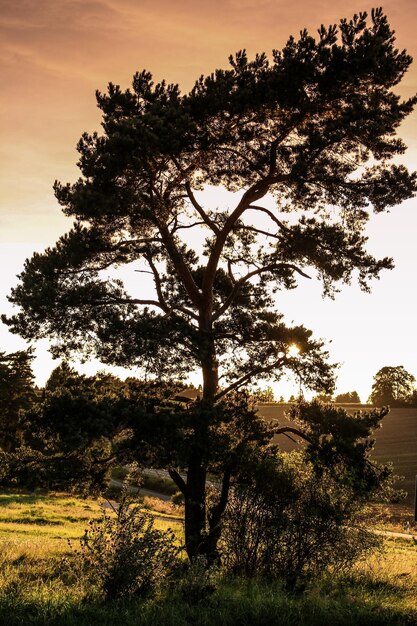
x=35 y=587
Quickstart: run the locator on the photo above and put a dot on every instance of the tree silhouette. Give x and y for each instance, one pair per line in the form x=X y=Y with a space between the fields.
x=392 y=386
x=17 y=393
x=315 y=127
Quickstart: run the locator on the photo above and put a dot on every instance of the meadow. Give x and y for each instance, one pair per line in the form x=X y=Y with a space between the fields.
x=39 y=586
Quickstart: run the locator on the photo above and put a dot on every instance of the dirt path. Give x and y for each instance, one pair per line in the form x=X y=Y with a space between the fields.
x=141 y=491
x=391 y=533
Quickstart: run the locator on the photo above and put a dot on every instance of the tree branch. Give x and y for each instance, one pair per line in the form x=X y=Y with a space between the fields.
x=157 y=281
x=180 y=265
x=289 y=429
x=247 y=377
x=206 y=219
x=216 y=512
x=116 y=300
x=178 y=480
x=278 y=222
x=256 y=230
x=244 y=279
x=255 y=192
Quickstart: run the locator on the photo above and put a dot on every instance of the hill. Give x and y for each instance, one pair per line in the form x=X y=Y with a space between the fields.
x=395 y=441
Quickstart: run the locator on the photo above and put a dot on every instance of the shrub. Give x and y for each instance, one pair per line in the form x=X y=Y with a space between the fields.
x=124 y=554
x=285 y=522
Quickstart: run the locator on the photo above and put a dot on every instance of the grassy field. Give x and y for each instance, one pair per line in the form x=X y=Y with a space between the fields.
x=395 y=441
x=37 y=589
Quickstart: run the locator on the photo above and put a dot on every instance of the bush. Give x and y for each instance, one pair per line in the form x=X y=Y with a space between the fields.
x=285 y=522
x=124 y=554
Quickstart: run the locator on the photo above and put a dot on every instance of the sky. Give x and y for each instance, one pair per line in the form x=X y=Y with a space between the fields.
x=54 y=54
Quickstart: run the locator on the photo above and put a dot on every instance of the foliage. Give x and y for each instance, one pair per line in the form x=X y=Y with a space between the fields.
x=314 y=127
x=348 y=397
x=284 y=521
x=65 y=434
x=392 y=386
x=17 y=394
x=342 y=443
x=124 y=555
x=80 y=427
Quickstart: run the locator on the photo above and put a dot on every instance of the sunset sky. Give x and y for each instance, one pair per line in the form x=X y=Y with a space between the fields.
x=56 y=53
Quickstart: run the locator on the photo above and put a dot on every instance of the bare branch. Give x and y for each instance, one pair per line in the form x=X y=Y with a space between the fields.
x=289 y=429
x=184 y=226
x=278 y=222
x=117 y=300
x=157 y=281
x=180 y=264
x=216 y=512
x=256 y=230
x=254 y=193
x=206 y=219
x=230 y=271
x=178 y=480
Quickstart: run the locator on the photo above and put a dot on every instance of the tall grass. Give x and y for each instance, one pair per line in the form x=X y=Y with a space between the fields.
x=38 y=587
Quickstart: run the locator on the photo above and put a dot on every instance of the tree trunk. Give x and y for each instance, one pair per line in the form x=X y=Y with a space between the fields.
x=196 y=536
x=195 y=507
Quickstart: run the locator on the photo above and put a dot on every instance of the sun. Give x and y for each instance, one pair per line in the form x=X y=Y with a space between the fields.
x=293 y=350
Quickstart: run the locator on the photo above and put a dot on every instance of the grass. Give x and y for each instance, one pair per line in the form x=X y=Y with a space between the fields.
x=37 y=588
x=55 y=518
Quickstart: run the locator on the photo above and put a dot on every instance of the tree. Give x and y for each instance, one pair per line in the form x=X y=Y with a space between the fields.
x=324 y=398
x=315 y=127
x=66 y=434
x=348 y=397
x=392 y=386
x=17 y=393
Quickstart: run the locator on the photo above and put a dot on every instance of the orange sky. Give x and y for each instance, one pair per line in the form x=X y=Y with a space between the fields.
x=55 y=53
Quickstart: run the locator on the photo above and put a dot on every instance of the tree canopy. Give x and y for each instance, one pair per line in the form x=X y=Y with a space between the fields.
x=17 y=393
x=392 y=386
x=315 y=128
x=349 y=396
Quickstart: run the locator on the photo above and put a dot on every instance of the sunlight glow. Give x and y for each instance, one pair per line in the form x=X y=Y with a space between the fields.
x=293 y=350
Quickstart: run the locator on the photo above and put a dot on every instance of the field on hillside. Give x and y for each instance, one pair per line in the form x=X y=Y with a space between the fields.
x=395 y=441
x=37 y=588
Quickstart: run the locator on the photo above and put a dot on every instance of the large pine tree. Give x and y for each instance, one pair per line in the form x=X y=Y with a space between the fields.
x=315 y=126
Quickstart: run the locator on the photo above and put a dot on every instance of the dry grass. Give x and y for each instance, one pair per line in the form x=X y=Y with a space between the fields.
x=36 y=589
x=163 y=506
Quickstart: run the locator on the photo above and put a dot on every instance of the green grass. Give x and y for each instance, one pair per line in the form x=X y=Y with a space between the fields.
x=53 y=518
x=38 y=588
x=41 y=597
